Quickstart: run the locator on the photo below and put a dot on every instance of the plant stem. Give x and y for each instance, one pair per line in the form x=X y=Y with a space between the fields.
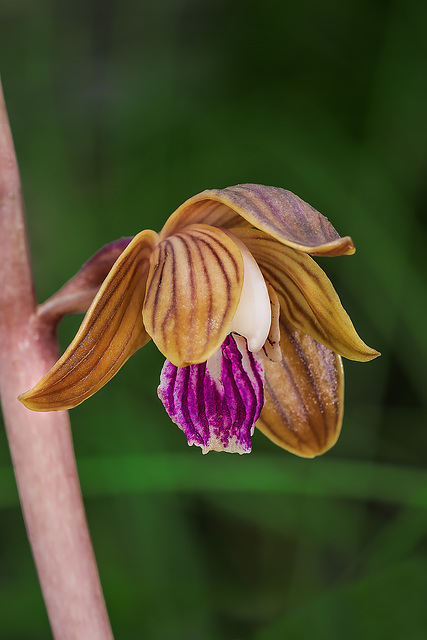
x=40 y=443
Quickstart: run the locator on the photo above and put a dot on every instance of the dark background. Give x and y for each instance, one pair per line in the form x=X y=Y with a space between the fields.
x=120 y=111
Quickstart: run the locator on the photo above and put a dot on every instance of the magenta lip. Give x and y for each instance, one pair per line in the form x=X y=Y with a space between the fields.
x=216 y=414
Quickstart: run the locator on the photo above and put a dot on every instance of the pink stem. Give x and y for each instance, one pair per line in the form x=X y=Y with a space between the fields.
x=40 y=443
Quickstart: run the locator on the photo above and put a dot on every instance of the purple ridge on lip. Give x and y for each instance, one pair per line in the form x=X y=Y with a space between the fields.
x=216 y=403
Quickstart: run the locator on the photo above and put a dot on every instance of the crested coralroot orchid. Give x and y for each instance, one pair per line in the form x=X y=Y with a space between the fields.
x=251 y=327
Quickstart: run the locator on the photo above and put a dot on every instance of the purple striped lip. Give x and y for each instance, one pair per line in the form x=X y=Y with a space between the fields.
x=216 y=403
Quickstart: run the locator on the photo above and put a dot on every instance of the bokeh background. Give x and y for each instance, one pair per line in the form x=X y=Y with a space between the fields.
x=121 y=110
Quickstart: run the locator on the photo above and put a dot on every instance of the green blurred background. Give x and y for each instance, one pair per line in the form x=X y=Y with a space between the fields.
x=120 y=111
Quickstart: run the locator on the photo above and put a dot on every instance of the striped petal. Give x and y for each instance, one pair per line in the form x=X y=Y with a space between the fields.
x=110 y=333
x=303 y=395
x=306 y=295
x=193 y=290
x=216 y=403
x=278 y=212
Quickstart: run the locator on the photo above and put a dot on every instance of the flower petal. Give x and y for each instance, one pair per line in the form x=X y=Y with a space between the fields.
x=304 y=395
x=216 y=403
x=193 y=290
x=276 y=211
x=253 y=314
x=306 y=295
x=111 y=332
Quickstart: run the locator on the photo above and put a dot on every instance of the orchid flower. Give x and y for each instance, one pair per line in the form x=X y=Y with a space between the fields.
x=251 y=327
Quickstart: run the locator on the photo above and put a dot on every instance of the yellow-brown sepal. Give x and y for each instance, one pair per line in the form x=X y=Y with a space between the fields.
x=110 y=333
x=193 y=290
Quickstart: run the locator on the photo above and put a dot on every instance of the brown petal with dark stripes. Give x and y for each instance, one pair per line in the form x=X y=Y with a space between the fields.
x=306 y=295
x=111 y=332
x=304 y=395
x=193 y=290
x=278 y=212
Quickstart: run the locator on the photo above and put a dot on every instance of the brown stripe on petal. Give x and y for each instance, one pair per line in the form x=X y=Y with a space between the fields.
x=157 y=276
x=111 y=332
x=189 y=312
x=205 y=274
x=307 y=296
x=304 y=395
x=287 y=412
x=182 y=243
x=294 y=304
x=278 y=212
x=211 y=247
x=312 y=393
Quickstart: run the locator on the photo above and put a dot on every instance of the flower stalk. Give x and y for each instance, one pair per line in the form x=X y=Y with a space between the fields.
x=40 y=443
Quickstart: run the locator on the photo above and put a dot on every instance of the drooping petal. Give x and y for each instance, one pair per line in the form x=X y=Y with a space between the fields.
x=78 y=293
x=306 y=295
x=304 y=395
x=193 y=290
x=278 y=212
x=216 y=403
x=111 y=332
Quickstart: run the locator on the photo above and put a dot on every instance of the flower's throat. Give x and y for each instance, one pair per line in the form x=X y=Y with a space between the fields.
x=253 y=315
